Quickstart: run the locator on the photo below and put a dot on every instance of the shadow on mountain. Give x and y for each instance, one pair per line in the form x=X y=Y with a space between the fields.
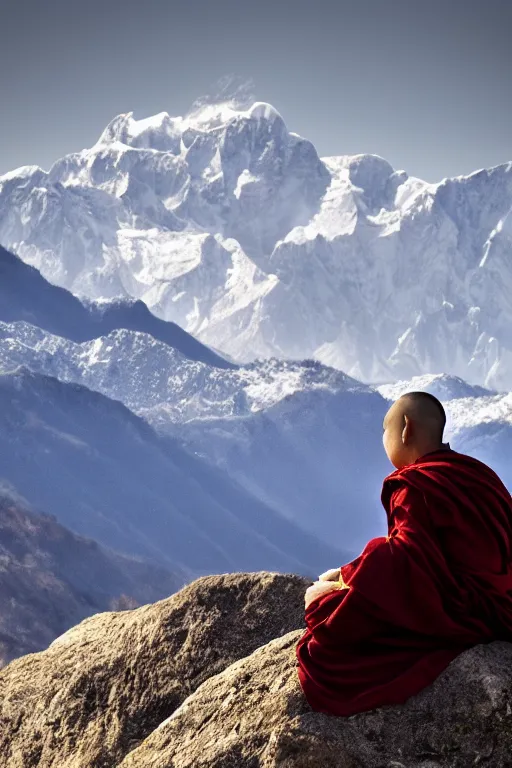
x=105 y=473
x=26 y=295
x=51 y=579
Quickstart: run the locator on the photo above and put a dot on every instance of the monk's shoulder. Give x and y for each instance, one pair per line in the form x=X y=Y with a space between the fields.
x=401 y=488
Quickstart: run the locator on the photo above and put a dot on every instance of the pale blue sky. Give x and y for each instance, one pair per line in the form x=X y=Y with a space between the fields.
x=424 y=84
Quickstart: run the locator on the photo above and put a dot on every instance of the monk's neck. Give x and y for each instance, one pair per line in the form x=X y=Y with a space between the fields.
x=426 y=450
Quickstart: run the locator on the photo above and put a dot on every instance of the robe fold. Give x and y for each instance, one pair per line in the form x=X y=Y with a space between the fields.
x=437 y=584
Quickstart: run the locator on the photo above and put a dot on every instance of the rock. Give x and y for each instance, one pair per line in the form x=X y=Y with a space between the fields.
x=254 y=715
x=106 y=684
x=208 y=679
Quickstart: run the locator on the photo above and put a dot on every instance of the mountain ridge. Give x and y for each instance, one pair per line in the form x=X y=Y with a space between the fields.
x=26 y=296
x=135 y=491
x=51 y=579
x=229 y=224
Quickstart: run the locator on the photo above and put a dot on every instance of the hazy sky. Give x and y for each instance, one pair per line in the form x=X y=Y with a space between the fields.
x=427 y=85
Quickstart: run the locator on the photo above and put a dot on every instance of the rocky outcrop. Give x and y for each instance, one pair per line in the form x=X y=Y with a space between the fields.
x=207 y=679
x=254 y=714
x=105 y=685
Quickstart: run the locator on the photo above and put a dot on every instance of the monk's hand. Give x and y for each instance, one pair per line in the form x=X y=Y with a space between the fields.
x=318 y=589
x=332 y=575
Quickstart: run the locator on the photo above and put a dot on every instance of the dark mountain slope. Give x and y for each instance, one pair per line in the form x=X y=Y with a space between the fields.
x=105 y=473
x=26 y=295
x=50 y=579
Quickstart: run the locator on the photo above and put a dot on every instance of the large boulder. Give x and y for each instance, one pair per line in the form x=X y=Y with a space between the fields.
x=254 y=715
x=208 y=679
x=106 y=684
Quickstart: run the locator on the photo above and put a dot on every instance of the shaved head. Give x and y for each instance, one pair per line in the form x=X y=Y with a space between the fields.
x=413 y=425
x=426 y=409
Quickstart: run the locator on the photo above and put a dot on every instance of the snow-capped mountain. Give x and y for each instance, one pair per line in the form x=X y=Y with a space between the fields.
x=229 y=224
x=441 y=385
x=478 y=421
x=286 y=436
x=304 y=438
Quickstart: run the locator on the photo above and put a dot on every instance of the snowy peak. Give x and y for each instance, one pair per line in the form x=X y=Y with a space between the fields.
x=25 y=172
x=376 y=178
x=231 y=99
x=159 y=132
x=441 y=385
x=228 y=224
x=227 y=98
x=146 y=374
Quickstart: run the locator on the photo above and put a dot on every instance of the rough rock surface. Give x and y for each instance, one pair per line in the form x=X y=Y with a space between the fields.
x=103 y=686
x=207 y=679
x=254 y=715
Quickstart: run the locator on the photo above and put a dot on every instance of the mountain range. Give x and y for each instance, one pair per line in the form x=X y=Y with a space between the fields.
x=202 y=325
x=229 y=224
x=26 y=296
x=301 y=438
x=154 y=514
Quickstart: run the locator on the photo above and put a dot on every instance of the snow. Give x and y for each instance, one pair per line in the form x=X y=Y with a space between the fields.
x=262 y=111
x=282 y=429
x=469 y=412
x=210 y=116
x=440 y=385
x=136 y=127
x=246 y=177
x=226 y=223
x=24 y=172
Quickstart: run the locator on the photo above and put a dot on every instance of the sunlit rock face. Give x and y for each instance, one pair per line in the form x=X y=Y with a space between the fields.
x=208 y=677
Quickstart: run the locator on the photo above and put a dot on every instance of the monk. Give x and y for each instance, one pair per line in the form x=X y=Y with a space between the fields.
x=384 y=626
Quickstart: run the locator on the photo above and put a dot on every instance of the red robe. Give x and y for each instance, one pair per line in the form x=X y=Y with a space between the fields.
x=439 y=583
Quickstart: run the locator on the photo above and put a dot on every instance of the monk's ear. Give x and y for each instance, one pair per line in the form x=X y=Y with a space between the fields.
x=406 y=431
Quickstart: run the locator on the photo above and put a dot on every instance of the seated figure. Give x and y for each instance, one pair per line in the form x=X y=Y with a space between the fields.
x=384 y=626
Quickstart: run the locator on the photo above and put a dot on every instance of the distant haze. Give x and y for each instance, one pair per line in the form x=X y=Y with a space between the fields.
x=425 y=85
